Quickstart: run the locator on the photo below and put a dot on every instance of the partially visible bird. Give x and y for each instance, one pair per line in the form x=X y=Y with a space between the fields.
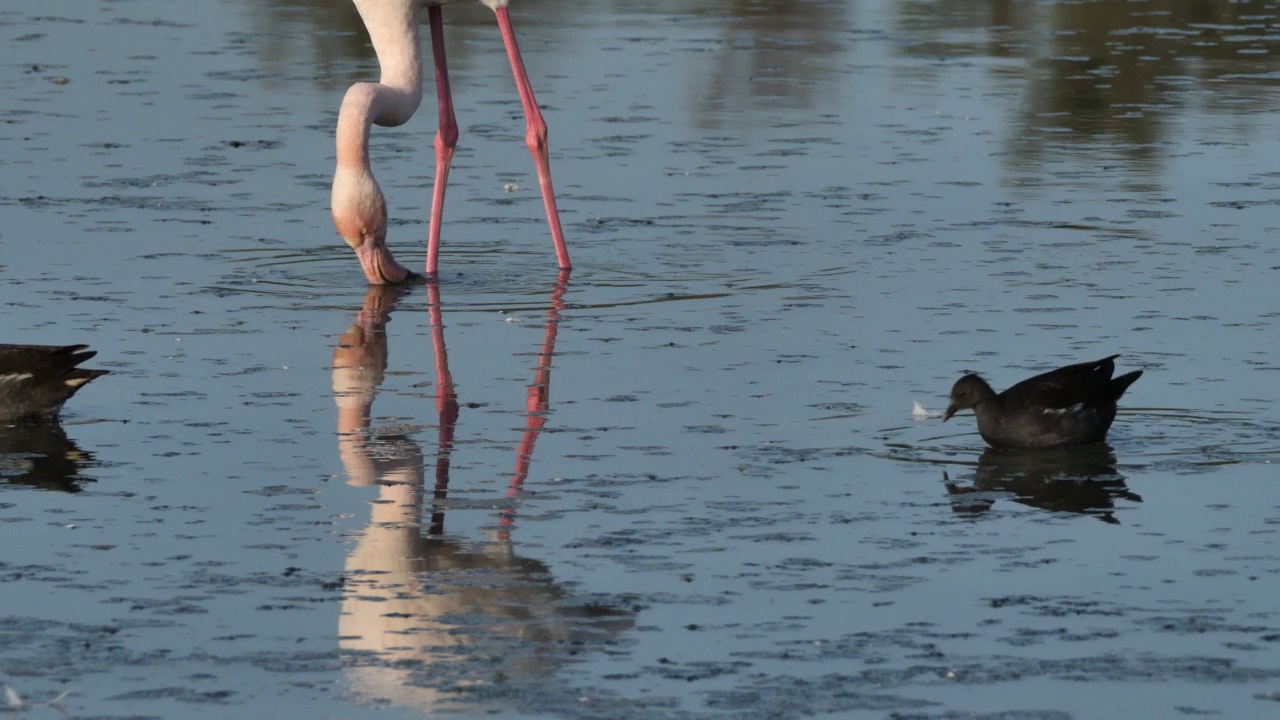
x=1073 y=405
x=35 y=380
x=359 y=208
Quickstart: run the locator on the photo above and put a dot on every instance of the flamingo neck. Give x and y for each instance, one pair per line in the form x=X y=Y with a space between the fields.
x=393 y=30
x=355 y=117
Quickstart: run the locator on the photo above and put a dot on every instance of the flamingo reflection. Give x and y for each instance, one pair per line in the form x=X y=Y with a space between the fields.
x=426 y=617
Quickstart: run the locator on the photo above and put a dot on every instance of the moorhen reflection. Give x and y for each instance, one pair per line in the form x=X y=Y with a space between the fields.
x=424 y=614
x=41 y=455
x=1079 y=480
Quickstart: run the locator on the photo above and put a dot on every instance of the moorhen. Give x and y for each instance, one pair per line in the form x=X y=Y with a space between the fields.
x=1073 y=405
x=35 y=380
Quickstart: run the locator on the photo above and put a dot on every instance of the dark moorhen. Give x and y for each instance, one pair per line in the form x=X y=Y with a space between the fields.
x=35 y=380
x=1073 y=405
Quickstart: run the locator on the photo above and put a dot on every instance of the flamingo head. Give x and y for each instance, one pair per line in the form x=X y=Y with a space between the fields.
x=360 y=214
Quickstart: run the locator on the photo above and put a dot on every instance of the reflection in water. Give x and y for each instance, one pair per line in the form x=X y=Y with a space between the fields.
x=1080 y=480
x=320 y=34
x=772 y=55
x=1103 y=84
x=428 y=617
x=41 y=454
x=1105 y=78
x=329 y=37
x=775 y=56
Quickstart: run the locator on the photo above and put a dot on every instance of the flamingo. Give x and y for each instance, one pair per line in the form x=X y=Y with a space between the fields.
x=359 y=208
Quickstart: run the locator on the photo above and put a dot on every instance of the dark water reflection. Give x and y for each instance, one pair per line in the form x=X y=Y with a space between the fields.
x=427 y=617
x=1108 y=79
x=1108 y=70
x=1079 y=480
x=41 y=454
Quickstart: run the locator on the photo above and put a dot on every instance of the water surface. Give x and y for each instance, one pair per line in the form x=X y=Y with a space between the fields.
x=684 y=480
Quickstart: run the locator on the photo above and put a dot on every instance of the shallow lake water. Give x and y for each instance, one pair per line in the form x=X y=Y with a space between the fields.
x=683 y=480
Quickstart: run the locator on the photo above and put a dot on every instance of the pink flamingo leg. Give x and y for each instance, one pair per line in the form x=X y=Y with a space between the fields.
x=446 y=136
x=535 y=137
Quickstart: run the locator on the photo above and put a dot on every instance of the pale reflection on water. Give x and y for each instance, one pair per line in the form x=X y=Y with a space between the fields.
x=427 y=616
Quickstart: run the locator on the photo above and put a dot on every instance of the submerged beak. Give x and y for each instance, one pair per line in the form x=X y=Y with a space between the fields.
x=380 y=268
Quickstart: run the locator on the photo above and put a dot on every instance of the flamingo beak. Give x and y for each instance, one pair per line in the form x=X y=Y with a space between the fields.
x=380 y=268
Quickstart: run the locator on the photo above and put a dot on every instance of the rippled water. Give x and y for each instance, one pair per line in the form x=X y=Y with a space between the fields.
x=683 y=481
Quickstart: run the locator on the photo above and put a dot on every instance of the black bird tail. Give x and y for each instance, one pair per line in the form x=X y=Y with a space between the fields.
x=1122 y=383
